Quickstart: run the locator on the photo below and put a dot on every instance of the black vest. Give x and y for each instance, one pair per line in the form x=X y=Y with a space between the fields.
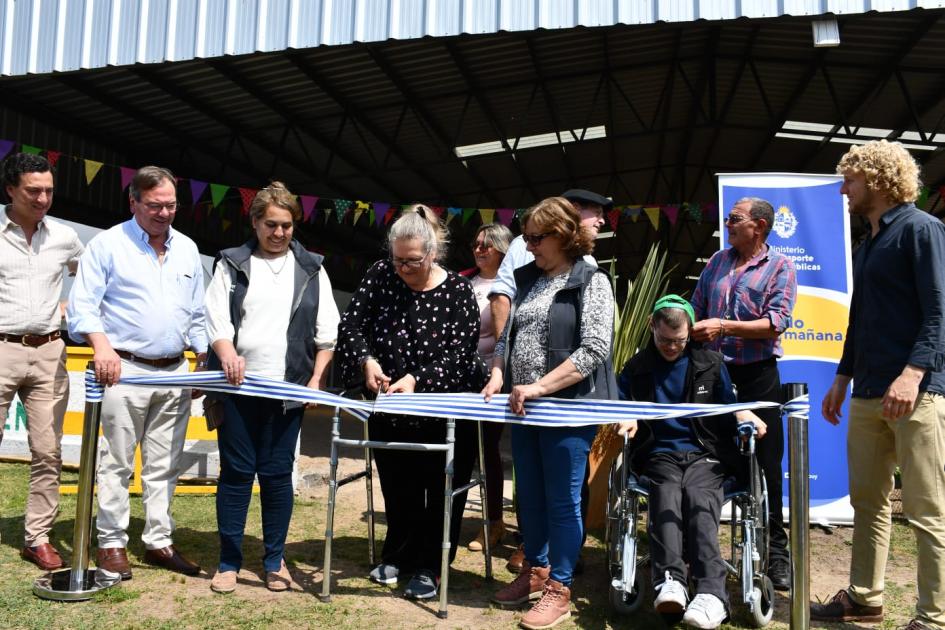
x=564 y=330
x=300 y=335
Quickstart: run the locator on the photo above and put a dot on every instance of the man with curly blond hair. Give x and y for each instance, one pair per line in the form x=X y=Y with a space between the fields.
x=894 y=353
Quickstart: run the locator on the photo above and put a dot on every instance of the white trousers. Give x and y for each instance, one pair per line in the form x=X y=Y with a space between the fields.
x=157 y=420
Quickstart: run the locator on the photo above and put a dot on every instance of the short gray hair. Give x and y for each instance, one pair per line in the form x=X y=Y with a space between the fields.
x=420 y=222
x=496 y=236
x=760 y=209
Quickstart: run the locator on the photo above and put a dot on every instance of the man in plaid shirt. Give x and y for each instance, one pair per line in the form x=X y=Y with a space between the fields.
x=743 y=301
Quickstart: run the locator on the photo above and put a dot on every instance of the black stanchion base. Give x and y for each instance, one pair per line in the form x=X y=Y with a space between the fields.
x=58 y=585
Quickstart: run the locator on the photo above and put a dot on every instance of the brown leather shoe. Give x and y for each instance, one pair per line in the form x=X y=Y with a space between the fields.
x=44 y=556
x=516 y=560
x=170 y=559
x=842 y=608
x=553 y=607
x=527 y=585
x=115 y=560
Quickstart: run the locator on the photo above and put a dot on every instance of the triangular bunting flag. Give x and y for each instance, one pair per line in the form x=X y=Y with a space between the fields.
x=672 y=213
x=452 y=213
x=127 y=174
x=26 y=148
x=226 y=224
x=614 y=217
x=341 y=208
x=941 y=191
x=487 y=215
x=467 y=214
x=505 y=216
x=710 y=212
x=308 y=206
x=653 y=214
x=438 y=210
x=693 y=211
x=389 y=215
x=633 y=212
x=5 y=147
x=360 y=207
x=247 y=195
x=91 y=170
x=52 y=156
x=380 y=212
x=217 y=193
x=196 y=190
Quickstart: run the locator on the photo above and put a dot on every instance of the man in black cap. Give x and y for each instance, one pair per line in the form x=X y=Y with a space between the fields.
x=592 y=207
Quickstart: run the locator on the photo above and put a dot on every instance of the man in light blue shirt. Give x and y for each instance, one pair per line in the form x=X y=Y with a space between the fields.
x=138 y=301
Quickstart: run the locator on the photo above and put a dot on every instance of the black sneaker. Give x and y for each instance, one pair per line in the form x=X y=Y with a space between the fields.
x=779 y=571
x=384 y=574
x=422 y=585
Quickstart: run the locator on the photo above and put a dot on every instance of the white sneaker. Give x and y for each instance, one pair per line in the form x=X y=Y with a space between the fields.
x=705 y=611
x=672 y=596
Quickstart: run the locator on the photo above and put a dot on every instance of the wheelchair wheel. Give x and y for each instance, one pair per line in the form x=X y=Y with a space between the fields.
x=628 y=603
x=762 y=595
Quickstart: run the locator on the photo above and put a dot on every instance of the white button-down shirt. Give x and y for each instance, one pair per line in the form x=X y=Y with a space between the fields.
x=31 y=274
x=149 y=308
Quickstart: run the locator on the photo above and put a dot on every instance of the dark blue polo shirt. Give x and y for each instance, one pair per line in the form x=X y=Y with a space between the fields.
x=897 y=315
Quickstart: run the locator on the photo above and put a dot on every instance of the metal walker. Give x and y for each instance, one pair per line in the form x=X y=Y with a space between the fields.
x=368 y=445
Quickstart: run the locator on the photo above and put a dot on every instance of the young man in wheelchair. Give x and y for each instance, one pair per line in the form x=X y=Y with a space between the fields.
x=686 y=461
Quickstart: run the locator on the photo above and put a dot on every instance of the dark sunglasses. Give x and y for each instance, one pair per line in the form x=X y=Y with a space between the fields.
x=535 y=239
x=735 y=219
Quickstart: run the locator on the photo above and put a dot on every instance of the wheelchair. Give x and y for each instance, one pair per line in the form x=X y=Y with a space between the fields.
x=627 y=494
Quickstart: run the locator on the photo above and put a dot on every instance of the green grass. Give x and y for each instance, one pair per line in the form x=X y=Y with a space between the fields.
x=157 y=599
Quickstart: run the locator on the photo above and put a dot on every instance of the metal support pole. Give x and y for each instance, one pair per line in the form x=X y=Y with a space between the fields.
x=79 y=583
x=332 y=489
x=447 y=512
x=799 y=494
x=369 y=486
x=484 y=496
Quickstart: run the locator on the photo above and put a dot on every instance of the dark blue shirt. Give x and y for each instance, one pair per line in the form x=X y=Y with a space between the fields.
x=669 y=386
x=898 y=305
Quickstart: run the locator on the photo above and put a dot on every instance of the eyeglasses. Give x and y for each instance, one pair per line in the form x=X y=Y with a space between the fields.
x=735 y=219
x=36 y=192
x=483 y=246
x=535 y=239
x=157 y=207
x=669 y=343
x=409 y=263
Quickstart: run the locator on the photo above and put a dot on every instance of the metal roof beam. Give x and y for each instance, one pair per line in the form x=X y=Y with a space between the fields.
x=664 y=107
x=427 y=118
x=362 y=120
x=552 y=108
x=477 y=91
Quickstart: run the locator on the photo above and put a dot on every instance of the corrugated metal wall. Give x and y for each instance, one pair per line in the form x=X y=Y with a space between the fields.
x=38 y=36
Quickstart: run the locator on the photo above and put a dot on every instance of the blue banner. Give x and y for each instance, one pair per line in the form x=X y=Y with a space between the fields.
x=812 y=228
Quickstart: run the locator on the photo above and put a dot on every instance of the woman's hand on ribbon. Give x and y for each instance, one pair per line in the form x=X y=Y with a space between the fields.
x=521 y=393
x=374 y=377
x=234 y=369
x=493 y=385
x=405 y=385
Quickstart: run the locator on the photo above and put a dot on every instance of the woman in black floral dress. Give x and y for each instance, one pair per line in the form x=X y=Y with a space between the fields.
x=414 y=326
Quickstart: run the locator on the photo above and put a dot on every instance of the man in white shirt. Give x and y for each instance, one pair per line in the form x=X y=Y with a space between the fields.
x=33 y=251
x=138 y=301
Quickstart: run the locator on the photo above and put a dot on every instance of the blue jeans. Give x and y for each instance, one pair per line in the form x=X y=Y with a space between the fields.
x=549 y=473
x=255 y=439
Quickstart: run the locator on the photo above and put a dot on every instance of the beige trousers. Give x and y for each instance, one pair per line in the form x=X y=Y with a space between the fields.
x=916 y=443
x=39 y=376
x=157 y=420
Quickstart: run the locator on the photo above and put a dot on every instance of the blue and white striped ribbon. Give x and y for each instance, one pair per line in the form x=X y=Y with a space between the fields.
x=541 y=412
x=798 y=407
x=93 y=390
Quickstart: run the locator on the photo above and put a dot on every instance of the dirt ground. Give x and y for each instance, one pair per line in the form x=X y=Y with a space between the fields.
x=469 y=592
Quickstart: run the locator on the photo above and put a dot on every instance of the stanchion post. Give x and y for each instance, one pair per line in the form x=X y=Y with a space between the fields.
x=79 y=583
x=799 y=494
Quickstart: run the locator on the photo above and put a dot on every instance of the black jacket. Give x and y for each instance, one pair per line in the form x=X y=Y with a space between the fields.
x=300 y=335
x=716 y=434
x=564 y=332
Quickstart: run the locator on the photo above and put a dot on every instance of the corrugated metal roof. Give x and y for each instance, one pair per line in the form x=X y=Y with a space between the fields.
x=40 y=36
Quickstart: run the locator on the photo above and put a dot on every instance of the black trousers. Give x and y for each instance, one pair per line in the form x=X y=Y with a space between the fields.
x=413 y=486
x=761 y=381
x=685 y=504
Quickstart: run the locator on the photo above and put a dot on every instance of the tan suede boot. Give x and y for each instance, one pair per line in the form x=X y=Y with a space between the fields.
x=553 y=607
x=526 y=586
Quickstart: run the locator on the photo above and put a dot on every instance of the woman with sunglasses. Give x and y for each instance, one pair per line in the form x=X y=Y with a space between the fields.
x=413 y=326
x=489 y=247
x=686 y=462
x=557 y=343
